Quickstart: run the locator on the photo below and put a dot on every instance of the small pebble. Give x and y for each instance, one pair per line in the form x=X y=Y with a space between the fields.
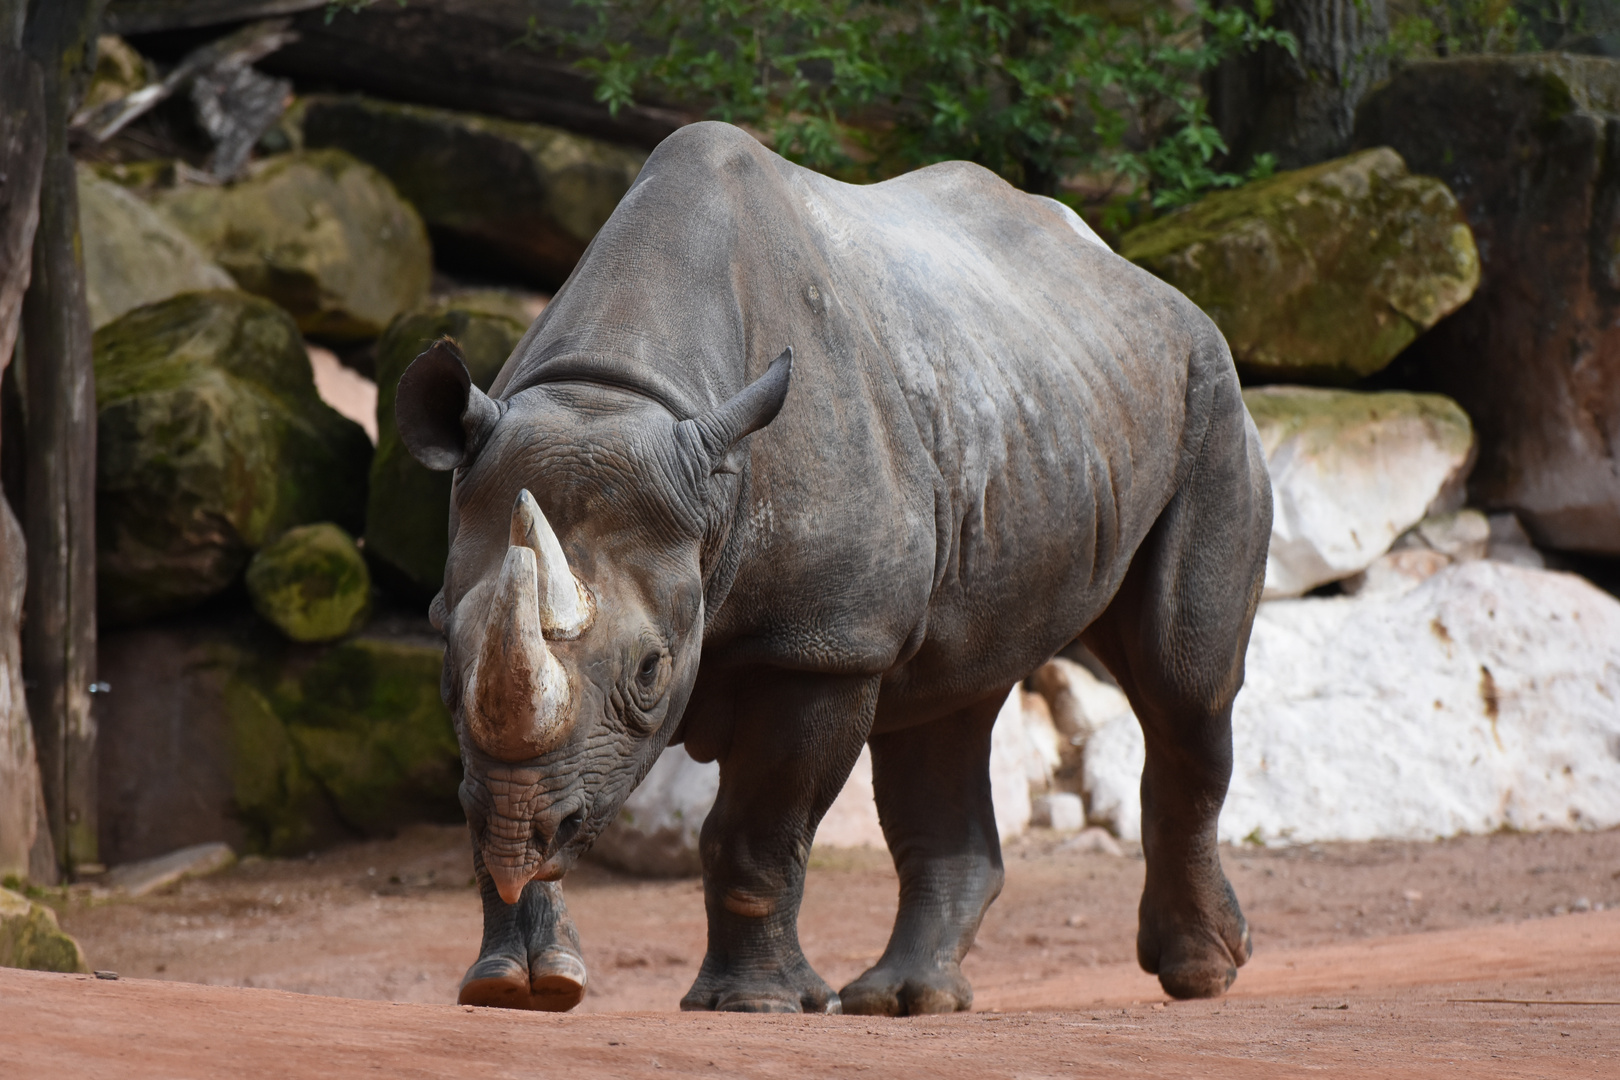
x=107 y=975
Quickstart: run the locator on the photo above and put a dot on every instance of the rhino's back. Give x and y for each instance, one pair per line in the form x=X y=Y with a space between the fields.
x=987 y=407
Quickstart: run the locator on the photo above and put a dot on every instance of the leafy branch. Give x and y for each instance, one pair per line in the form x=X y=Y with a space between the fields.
x=1041 y=91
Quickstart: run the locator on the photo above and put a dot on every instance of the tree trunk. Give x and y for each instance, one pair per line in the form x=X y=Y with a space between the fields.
x=1301 y=109
x=59 y=634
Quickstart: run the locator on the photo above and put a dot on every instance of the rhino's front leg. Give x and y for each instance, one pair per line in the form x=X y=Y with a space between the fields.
x=794 y=741
x=530 y=957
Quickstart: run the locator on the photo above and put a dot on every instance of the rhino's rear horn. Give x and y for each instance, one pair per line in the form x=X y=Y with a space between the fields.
x=443 y=418
x=565 y=603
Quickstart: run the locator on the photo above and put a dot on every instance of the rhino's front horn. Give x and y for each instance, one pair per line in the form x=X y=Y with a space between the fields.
x=517 y=695
x=565 y=603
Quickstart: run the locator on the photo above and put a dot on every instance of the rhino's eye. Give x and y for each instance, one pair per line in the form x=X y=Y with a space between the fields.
x=647 y=673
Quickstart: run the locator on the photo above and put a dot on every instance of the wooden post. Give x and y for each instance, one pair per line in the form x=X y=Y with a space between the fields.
x=22 y=147
x=59 y=632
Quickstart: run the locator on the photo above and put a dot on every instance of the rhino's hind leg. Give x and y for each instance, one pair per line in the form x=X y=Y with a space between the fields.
x=795 y=740
x=530 y=958
x=1175 y=638
x=933 y=793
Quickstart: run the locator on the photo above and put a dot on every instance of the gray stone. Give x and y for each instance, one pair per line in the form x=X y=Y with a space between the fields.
x=525 y=197
x=132 y=255
x=150 y=875
x=323 y=235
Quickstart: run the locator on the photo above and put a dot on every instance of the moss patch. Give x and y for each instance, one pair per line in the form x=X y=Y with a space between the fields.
x=1321 y=274
x=31 y=938
x=355 y=732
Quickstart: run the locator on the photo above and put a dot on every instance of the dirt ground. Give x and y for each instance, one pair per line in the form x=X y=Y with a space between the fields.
x=1362 y=954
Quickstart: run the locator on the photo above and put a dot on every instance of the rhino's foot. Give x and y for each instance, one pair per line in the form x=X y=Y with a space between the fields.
x=553 y=981
x=1194 y=949
x=896 y=991
x=790 y=988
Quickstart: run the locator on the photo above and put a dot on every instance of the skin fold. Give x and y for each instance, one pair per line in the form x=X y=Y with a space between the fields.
x=982 y=437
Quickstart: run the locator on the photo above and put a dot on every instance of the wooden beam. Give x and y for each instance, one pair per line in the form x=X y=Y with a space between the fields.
x=59 y=633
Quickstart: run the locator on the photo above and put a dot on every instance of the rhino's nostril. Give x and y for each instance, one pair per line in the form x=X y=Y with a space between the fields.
x=569 y=826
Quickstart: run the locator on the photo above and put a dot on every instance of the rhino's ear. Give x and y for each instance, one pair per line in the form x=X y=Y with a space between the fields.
x=715 y=435
x=443 y=418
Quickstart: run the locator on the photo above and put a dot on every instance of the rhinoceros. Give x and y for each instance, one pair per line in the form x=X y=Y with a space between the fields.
x=789 y=467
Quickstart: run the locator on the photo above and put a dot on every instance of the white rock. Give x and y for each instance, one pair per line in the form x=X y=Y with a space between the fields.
x=656 y=833
x=1094 y=839
x=1351 y=471
x=1043 y=746
x=1009 y=772
x=1510 y=543
x=1488 y=696
x=1062 y=811
x=852 y=820
x=1396 y=572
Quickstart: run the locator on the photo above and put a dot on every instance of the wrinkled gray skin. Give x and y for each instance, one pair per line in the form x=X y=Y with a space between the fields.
x=994 y=437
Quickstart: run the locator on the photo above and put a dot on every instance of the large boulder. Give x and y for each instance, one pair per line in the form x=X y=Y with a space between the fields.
x=1350 y=472
x=409 y=505
x=312 y=583
x=523 y=197
x=1323 y=274
x=31 y=938
x=1482 y=699
x=132 y=255
x=210 y=440
x=1531 y=146
x=323 y=235
x=218 y=729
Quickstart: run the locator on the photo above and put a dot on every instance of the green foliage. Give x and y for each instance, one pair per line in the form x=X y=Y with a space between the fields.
x=1421 y=29
x=1037 y=90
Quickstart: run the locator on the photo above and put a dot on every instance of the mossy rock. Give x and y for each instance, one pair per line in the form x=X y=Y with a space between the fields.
x=312 y=583
x=31 y=938
x=357 y=728
x=1321 y=274
x=133 y=256
x=323 y=235
x=525 y=197
x=408 y=511
x=211 y=439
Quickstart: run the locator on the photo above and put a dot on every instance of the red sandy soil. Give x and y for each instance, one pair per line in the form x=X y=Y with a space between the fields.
x=1363 y=953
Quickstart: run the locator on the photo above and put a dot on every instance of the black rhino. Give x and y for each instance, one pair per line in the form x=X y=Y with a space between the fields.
x=982 y=437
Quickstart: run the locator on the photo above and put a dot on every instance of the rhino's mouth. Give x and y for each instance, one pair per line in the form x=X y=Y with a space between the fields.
x=521 y=833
